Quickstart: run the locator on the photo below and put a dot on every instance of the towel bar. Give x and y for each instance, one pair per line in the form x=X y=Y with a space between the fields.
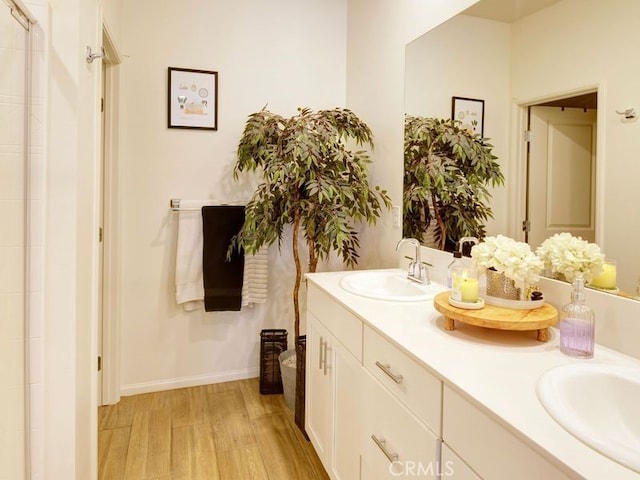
x=174 y=204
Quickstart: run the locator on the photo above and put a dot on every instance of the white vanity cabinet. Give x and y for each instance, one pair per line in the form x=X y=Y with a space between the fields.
x=334 y=378
x=488 y=447
x=375 y=410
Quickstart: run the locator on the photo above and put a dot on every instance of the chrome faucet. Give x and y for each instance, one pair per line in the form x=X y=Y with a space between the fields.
x=417 y=269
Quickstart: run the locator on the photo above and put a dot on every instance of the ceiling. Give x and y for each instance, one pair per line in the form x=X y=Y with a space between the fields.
x=507 y=10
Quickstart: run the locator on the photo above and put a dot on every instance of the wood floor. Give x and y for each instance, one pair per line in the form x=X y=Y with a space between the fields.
x=225 y=431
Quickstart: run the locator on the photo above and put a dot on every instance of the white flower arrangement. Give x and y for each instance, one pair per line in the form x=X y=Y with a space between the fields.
x=505 y=255
x=568 y=255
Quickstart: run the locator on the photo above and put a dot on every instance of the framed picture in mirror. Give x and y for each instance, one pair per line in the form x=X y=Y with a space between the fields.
x=193 y=99
x=470 y=111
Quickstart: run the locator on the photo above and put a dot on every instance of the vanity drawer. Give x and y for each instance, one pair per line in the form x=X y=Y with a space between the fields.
x=411 y=383
x=395 y=443
x=343 y=324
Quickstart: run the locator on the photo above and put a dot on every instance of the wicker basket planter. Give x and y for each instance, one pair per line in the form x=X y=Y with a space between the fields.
x=272 y=343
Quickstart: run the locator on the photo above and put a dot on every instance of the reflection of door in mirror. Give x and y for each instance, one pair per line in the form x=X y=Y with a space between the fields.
x=561 y=172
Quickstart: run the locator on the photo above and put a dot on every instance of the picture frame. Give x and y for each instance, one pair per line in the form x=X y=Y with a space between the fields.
x=192 y=99
x=470 y=111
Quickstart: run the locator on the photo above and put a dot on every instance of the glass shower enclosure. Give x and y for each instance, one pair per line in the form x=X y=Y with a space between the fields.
x=15 y=57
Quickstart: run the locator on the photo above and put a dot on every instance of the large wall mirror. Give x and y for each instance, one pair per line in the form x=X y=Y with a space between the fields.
x=557 y=66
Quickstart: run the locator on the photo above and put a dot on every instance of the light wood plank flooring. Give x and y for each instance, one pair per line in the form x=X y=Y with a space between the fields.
x=225 y=431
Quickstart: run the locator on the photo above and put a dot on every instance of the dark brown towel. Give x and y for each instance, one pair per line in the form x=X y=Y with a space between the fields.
x=222 y=278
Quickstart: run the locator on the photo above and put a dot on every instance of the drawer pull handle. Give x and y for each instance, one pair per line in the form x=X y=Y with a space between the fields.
x=324 y=364
x=387 y=369
x=381 y=443
x=320 y=349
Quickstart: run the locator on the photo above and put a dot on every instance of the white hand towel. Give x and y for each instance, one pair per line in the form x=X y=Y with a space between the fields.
x=189 y=284
x=254 y=287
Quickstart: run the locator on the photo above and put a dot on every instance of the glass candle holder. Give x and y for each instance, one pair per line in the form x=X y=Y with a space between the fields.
x=607 y=279
x=465 y=285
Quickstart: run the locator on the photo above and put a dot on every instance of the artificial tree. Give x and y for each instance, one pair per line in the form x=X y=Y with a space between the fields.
x=312 y=181
x=447 y=172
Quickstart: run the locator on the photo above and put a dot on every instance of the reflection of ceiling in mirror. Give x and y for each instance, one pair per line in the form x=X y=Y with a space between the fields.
x=507 y=10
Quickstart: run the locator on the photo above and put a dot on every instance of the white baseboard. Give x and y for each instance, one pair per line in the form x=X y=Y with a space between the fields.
x=183 y=382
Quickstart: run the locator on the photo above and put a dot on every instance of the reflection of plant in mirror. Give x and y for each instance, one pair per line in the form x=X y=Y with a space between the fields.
x=447 y=172
x=567 y=255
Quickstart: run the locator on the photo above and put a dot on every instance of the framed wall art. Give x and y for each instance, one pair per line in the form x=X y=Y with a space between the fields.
x=193 y=99
x=470 y=111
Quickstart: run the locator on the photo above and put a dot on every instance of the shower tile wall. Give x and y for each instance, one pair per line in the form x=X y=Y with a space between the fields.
x=13 y=248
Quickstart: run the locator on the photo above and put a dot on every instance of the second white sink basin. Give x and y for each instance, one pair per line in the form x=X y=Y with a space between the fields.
x=599 y=404
x=388 y=285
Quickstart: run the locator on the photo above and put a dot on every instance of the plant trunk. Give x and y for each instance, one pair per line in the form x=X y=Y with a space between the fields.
x=296 y=287
x=441 y=225
x=313 y=258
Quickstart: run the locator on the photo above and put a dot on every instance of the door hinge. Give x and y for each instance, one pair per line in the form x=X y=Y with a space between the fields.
x=526 y=226
x=528 y=135
x=100 y=234
x=101 y=105
x=99 y=363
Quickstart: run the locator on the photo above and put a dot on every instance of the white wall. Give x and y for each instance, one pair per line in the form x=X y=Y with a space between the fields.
x=283 y=53
x=71 y=246
x=112 y=19
x=581 y=43
x=378 y=32
x=465 y=57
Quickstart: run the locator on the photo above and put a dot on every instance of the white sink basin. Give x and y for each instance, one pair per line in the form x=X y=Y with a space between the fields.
x=385 y=285
x=599 y=404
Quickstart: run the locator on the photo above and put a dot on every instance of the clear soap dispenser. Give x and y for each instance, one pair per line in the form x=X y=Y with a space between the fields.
x=457 y=261
x=577 y=324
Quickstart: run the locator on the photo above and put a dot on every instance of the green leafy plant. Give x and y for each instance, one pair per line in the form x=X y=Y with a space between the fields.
x=312 y=181
x=447 y=172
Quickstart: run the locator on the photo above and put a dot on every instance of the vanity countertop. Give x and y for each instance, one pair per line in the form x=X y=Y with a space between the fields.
x=498 y=369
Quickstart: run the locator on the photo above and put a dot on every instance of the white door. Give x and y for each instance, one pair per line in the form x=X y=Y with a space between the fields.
x=561 y=178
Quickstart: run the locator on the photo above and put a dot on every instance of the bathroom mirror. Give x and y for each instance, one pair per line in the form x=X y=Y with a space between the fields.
x=511 y=59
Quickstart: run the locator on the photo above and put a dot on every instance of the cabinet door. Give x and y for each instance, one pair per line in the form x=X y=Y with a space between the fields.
x=319 y=391
x=348 y=414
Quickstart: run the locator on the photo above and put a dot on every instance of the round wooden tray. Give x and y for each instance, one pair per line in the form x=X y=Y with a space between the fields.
x=500 y=318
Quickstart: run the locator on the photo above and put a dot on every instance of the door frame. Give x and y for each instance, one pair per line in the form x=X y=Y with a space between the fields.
x=109 y=316
x=518 y=150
